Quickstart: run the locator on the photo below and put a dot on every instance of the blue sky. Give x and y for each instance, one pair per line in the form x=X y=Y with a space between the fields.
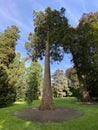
x=19 y=12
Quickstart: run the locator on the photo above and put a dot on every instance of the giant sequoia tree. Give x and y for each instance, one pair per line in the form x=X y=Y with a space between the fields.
x=50 y=28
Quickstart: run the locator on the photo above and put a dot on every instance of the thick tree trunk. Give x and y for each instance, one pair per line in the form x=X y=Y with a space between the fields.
x=47 y=97
x=86 y=97
x=85 y=94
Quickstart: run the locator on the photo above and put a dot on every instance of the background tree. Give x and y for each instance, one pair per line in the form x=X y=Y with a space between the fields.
x=16 y=77
x=50 y=28
x=7 y=93
x=73 y=81
x=60 y=84
x=33 y=79
x=84 y=49
x=8 y=41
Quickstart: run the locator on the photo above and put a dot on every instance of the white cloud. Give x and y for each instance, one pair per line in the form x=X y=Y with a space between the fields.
x=73 y=18
x=36 y=5
x=69 y=11
x=7 y=17
x=10 y=14
x=83 y=3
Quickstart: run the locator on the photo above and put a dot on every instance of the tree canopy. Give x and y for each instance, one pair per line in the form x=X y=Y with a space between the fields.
x=84 y=49
x=56 y=24
x=8 y=41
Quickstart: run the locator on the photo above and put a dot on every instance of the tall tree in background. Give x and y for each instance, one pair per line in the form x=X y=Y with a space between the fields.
x=84 y=49
x=60 y=84
x=8 y=41
x=17 y=78
x=33 y=79
x=50 y=28
x=71 y=75
x=73 y=81
x=89 y=49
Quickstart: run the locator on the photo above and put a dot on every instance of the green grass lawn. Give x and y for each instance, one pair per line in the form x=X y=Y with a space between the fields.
x=89 y=120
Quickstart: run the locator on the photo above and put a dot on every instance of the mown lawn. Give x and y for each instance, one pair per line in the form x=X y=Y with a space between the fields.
x=89 y=120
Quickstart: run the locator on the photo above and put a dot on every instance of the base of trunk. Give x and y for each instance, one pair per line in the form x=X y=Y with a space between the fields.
x=86 y=97
x=47 y=106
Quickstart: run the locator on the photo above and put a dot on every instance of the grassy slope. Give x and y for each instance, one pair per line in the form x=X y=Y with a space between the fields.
x=89 y=121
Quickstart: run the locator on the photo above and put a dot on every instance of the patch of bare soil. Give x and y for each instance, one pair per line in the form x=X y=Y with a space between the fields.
x=58 y=115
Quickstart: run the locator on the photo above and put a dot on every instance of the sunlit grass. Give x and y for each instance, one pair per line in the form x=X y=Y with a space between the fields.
x=20 y=102
x=89 y=120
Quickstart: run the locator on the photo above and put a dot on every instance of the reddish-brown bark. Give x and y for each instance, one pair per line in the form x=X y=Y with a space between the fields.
x=47 y=98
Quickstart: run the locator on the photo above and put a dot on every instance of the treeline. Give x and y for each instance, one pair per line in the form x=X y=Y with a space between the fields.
x=52 y=37
x=15 y=79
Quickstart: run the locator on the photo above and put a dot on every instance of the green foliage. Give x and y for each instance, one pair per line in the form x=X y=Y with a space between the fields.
x=17 y=77
x=7 y=92
x=84 y=49
x=88 y=65
x=60 y=84
x=71 y=74
x=8 y=41
x=33 y=79
x=56 y=23
x=73 y=81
